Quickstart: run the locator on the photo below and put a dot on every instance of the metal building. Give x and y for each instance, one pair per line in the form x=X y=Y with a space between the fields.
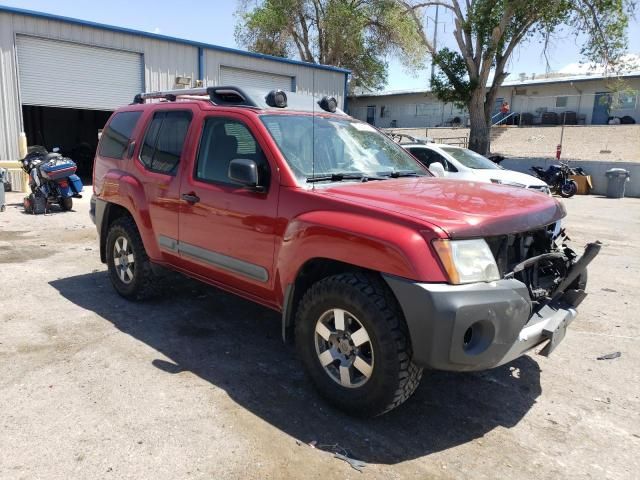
x=60 y=78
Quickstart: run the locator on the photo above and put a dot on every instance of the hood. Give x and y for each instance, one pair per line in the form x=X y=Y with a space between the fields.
x=462 y=209
x=509 y=176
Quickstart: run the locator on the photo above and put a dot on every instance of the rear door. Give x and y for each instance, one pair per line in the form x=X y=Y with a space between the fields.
x=227 y=232
x=164 y=145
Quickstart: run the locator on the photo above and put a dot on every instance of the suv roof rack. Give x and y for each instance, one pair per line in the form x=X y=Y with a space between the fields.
x=246 y=97
x=222 y=95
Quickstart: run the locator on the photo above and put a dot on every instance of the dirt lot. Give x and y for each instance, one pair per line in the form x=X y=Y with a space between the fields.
x=198 y=384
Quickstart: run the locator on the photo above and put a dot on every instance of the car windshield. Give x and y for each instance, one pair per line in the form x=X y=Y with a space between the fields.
x=334 y=149
x=471 y=159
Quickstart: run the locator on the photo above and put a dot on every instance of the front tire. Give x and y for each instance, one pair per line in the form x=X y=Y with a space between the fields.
x=568 y=189
x=354 y=343
x=128 y=263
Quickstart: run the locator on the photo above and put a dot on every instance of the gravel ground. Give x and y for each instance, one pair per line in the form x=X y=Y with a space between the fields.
x=197 y=384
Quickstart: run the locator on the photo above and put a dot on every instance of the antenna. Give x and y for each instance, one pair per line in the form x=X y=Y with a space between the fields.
x=313 y=130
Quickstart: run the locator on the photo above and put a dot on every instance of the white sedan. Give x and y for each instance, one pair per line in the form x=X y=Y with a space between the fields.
x=464 y=164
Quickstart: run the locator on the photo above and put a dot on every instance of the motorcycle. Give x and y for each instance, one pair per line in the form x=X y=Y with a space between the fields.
x=52 y=179
x=557 y=177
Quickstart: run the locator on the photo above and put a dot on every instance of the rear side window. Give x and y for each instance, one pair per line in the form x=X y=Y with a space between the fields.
x=164 y=140
x=117 y=135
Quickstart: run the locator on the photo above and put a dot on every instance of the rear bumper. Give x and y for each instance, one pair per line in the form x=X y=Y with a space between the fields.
x=479 y=326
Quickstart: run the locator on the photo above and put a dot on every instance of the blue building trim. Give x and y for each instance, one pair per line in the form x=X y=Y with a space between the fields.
x=345 y=102
x=155 y=36
x=201 y=64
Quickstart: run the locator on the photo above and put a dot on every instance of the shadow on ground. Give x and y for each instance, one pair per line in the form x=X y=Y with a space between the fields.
x=235 y=345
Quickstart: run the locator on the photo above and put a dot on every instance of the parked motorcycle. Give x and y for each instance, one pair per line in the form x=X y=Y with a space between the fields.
x=557 y=177
x=52 y=179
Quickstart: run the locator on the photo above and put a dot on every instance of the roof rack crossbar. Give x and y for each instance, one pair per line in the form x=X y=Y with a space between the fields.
x=222 y=95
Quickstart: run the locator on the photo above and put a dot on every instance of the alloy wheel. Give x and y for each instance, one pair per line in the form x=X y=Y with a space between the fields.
x=124 y=260
x=344 y=348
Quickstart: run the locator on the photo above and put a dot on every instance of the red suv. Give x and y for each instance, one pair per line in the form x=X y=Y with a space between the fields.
x=379 y=268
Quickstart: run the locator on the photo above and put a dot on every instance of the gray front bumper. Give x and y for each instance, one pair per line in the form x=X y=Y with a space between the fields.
x=476 y=326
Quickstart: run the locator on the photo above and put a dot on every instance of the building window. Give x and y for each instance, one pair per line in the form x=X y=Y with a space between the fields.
x=627 y=100
x=561 y=102
x=384 y=111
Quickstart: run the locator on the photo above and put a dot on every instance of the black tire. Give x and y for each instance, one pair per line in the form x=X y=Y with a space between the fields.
x=394 y=377
x=66 y=204
x=568 y=189
x=143 y=282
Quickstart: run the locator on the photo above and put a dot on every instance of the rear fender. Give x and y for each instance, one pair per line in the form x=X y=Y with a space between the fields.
x=120 y=188
x=65 y=192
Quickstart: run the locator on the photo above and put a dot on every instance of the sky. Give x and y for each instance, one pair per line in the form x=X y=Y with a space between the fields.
x=213 y=22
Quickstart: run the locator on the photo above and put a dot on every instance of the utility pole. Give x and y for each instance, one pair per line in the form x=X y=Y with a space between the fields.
x=435 y=40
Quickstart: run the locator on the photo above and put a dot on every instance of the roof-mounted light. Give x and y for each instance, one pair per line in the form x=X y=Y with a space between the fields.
x=328 y=104
x=276 y=98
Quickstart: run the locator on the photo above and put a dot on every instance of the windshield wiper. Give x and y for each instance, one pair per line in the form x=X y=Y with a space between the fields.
x=338 y=177
x=401 y=173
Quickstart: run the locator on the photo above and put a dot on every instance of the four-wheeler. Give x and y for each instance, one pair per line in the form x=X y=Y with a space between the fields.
x=378 y=268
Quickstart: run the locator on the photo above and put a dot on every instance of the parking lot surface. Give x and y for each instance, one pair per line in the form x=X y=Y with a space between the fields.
x=198 y=384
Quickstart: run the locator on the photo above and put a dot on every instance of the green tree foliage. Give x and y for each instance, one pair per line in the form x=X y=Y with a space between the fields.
x=355 y=34
x=487 y=32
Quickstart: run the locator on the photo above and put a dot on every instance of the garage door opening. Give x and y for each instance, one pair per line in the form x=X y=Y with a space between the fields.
x=74 y=131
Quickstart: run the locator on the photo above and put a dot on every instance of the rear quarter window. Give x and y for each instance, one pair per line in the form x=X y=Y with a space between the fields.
x=118 y=133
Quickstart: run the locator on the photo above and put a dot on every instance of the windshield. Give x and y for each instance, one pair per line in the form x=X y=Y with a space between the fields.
x=319 y=148
x=471 y=159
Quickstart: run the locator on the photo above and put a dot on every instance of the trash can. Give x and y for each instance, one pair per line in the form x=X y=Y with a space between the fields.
x=616 y=180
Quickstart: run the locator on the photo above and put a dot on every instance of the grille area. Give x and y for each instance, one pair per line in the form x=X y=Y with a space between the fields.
x=549 y=265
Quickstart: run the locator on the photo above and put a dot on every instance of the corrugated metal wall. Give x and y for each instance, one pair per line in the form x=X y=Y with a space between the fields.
x=163 y=61
x=307 y=80
x=10 y=111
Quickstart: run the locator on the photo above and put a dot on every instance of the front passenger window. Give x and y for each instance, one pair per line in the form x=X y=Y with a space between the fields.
x=224 y=140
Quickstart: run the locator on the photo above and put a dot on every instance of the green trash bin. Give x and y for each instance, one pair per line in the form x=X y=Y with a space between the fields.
x=616 y=181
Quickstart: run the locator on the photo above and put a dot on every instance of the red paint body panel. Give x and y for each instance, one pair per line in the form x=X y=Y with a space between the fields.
x=385 y=226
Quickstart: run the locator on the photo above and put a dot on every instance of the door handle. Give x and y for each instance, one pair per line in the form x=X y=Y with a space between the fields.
x=190 y=197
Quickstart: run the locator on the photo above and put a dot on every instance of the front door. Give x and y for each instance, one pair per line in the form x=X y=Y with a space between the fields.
x=227 y=232
x=601 y=105
x=371 y=114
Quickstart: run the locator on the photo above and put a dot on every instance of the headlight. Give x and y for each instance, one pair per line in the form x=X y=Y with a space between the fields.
x=467 y=261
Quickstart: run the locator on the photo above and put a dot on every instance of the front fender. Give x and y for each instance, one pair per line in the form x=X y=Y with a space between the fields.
x=120 y=188
x=375 y=244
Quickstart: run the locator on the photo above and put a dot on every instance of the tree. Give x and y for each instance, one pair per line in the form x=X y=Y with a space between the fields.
x=355 y=34
x=487 y=32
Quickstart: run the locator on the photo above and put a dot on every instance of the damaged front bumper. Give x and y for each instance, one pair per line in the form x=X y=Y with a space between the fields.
x=484 y=325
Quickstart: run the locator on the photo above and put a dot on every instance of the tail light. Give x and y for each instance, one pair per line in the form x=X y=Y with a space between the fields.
x=63 y=183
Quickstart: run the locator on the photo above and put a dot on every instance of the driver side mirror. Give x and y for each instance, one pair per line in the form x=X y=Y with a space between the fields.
x=245 y=172
x=437 y=169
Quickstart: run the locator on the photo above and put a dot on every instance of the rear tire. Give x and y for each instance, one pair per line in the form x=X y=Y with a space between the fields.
x=354 y=343
x=66 y=204
x=129 y=266
x=568 y=189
